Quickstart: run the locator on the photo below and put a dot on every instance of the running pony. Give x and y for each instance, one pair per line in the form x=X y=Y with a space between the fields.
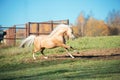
x=55 y=39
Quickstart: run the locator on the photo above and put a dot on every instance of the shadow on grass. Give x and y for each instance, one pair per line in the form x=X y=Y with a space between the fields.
x=52 y=75
x=22 y=66
x=38 y=75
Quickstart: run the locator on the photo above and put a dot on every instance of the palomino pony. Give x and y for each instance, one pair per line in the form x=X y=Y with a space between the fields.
x=55 y=39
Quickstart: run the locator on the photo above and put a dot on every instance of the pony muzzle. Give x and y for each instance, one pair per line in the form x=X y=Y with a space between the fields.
x=72 y=37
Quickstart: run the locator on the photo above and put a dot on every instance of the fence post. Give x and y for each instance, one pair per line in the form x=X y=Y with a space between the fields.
x=27 y=29
x=11 y=36
x=52 y=25
x=14 y=36
x=67 y=21
x=37 y=28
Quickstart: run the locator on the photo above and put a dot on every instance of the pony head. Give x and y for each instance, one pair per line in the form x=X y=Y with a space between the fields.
x=63 y=29
x=69 y=33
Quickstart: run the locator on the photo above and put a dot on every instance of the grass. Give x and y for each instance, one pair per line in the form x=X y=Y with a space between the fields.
x=64 y=69
x=96 y=42
x=17 y=63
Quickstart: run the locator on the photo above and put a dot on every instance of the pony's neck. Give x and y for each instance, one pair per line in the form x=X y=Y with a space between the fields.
x=53 y=33
x=60 y=29
x=57 y=33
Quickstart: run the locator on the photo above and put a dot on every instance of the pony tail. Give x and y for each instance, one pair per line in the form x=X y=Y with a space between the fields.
x=28 y=41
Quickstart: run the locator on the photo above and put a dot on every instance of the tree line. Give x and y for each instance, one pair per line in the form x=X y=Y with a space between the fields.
x=89 y=26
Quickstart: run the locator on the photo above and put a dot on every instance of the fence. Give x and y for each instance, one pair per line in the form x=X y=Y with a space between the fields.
x=18 y=32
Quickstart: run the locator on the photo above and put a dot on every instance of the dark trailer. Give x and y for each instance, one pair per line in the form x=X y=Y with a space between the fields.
x=2 y=33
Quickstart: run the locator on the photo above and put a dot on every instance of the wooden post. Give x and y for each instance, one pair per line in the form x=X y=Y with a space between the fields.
x=67 y=21
x=37 y=31
x=14 y=36
x=51 y=25
x=28 y=28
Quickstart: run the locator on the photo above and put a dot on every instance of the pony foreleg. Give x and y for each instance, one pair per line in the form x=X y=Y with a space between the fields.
x=69 y=54
x=68 y=47
x=43 y=53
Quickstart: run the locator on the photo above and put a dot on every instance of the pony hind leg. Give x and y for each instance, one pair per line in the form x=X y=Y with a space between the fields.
x=43 y=53
x=34 y=56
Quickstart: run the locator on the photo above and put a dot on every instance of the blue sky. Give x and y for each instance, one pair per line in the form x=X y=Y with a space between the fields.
x=23 y=11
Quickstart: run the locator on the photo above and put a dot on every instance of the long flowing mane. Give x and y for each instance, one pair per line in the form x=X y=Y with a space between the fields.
x=58 y=28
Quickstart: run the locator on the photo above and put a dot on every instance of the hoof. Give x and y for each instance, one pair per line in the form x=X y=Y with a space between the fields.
x=34 y=58
x=72 y=57
x=46 y=57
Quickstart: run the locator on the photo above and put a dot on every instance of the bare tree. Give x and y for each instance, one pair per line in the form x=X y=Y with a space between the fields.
x=113 y=21
x=81 y=23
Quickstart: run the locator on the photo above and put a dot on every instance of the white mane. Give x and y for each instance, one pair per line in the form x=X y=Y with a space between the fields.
x=58 y=28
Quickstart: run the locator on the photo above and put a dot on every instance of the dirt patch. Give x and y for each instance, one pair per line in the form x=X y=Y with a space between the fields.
x=113 y=53
x=101 y=52
x=104 y=54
